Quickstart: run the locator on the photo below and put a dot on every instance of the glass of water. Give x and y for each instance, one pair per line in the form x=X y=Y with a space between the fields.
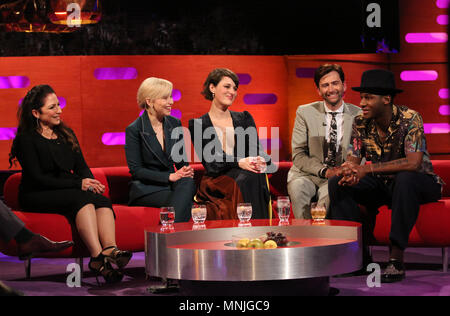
x=167 y=216
x=244 y=212
x=283 y=208
x=198 y=214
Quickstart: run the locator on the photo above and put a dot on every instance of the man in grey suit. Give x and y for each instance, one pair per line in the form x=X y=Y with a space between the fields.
x=320 y=140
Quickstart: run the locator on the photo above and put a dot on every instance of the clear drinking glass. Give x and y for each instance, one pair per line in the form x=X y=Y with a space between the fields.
x=244 y=212
x=283 y=208
x=198 y=214
x=318 y=212
x=167 y=216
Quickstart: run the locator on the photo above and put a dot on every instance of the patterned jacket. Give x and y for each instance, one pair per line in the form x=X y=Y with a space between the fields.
x=405 y=135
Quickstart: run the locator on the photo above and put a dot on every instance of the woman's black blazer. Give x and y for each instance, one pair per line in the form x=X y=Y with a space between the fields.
x=47 y=167
x=149 y=165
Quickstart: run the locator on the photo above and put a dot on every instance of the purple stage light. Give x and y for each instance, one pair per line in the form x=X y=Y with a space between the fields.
x=7 y=133
x=176 y=95
x=442 y=19
x=176 y=113
x=436 y=128
x=443 y=93
x=4 y=83
x=442 y=4
x=14 y=82
x=125 y=73
x=415 y=38
x=113 y=139
x=260 y=98
x=244 y=78
x=305 y=72
x=444 y=109
x=62 y=102
x=419 y=75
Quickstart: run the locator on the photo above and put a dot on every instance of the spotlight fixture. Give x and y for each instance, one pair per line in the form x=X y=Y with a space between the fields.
x=75 y=12
x=50 y=16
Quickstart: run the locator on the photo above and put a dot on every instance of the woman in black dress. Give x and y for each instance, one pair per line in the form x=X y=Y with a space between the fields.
x=228 y=145
x=56 y=179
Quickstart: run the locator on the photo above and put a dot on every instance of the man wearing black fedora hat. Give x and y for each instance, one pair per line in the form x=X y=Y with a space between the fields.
x=399 y=173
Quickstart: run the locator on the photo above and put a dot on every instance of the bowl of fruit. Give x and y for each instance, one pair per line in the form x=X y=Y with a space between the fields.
x=270 y=240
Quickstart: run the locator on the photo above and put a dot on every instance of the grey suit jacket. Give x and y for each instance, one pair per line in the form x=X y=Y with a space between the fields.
x=309 y=145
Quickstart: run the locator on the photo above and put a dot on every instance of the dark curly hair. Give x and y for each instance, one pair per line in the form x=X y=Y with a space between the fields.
x=34 y=100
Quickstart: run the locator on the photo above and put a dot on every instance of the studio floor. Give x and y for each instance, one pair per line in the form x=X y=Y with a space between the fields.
x=49 y=278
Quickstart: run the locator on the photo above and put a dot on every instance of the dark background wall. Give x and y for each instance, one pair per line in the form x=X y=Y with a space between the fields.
x=279 y=82
x=214 y=27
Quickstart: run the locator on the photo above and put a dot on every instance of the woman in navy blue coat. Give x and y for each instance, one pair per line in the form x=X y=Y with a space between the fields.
x=155 y=153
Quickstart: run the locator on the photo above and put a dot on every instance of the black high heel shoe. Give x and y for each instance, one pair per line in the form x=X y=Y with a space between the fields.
x=100 y=266
x=119 y=257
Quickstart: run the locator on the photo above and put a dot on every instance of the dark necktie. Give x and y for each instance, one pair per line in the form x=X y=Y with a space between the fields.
x=332 y=145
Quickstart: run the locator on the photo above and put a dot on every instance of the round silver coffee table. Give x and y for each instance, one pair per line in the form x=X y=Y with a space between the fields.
x=206 y=264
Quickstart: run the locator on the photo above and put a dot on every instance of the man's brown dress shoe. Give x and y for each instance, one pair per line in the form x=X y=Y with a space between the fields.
x=7 y=291
x=394 y=272
x=40 y=244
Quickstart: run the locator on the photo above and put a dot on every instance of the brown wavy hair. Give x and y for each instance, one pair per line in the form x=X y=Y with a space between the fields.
x=326 y=69
x=214 y=77
x=34 y=100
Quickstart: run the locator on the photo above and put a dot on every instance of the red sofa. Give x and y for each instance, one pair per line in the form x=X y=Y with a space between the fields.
x=431 y=229
x=130 y=221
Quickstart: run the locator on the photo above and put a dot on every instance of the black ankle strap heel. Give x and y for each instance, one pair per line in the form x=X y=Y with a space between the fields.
x=118 y=257
x=100 y=266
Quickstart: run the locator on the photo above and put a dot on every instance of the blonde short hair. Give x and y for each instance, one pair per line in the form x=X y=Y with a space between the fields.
x=153 y=88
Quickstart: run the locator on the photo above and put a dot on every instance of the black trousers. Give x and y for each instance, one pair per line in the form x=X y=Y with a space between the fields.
x=403 y=195
x=180 y=197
